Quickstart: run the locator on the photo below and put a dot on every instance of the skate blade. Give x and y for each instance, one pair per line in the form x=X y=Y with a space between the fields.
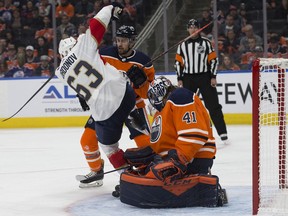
x=98 y=183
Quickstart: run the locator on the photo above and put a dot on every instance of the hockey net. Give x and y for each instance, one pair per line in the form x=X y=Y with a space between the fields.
x=270 y=97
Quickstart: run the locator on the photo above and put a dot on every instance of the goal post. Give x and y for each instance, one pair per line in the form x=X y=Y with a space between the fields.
x=269 y=133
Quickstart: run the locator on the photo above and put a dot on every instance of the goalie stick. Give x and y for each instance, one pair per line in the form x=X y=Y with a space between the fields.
x=80 y=177
x=30 y=98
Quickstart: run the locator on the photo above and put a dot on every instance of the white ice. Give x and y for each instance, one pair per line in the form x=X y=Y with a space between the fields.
x=38 y=168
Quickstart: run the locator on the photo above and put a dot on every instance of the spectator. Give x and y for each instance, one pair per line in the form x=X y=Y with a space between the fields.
x=27 y=11
x=249 y=33
x=82 y=9
x=6 y=12
x=281 y=11
x=206 y=18
x=3 y=50
x=11 y=58
x=46 y=31
x=34 y=23
x=42 y=47
x=229 y=25
x=82 y=29
x=2 y=25
x=31 y=59
x=228 y=64
x=129 y=13
x=45 y=9
x=20 y=70
x=16 y=22
x=65 y=8
x=45 y=68
x=65 y=27
x=97 y=7
x=248 y=58
x=3 y=69
x=234 y=13
x=243 y=17
x=276 y=49
x=231 y=45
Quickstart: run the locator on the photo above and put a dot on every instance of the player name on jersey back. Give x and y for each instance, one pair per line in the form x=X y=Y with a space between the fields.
x=67 y=64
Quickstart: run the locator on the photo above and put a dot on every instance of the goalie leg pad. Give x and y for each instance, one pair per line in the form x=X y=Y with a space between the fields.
x=191 y=191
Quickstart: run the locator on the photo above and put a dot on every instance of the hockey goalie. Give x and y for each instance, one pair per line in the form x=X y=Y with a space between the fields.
x=174 y=169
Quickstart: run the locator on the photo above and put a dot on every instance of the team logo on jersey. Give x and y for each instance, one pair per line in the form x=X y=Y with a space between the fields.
x=200 y=49
x=156 y=129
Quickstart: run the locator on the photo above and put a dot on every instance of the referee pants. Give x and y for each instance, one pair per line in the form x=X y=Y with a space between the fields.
x=209 y=94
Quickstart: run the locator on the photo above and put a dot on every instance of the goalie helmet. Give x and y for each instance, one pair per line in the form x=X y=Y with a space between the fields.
x=66 y=45
x=158 y=92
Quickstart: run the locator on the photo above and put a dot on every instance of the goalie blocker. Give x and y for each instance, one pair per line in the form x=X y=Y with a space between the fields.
x=190 y=191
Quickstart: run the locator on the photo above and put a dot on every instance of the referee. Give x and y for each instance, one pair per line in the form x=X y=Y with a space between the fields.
x=196 y=63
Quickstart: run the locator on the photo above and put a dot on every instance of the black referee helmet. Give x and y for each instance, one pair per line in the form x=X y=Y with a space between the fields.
x=193 y=22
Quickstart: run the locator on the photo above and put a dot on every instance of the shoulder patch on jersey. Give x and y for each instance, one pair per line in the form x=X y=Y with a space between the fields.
x=181 y=96
x=156 y=129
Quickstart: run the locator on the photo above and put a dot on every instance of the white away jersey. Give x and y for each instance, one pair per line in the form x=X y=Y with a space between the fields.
x=101 y=85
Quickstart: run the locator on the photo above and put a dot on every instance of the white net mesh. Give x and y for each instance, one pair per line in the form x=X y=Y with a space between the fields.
x=273 y=94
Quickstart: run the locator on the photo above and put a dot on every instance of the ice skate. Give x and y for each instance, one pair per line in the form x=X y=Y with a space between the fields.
x=92 y=179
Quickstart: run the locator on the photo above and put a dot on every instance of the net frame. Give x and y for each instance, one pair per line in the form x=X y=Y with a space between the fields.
x=260 y=188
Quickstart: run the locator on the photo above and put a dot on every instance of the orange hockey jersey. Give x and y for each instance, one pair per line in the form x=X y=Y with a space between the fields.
x=183 y=124
x=110 y=55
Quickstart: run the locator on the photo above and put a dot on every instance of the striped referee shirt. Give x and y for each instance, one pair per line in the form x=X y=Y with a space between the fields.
x=196 y=56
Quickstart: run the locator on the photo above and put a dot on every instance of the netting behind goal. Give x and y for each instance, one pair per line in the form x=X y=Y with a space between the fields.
x=270 y=97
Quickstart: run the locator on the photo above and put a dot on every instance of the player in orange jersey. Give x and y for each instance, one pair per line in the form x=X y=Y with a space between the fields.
x=181 y=133
x=122 y=57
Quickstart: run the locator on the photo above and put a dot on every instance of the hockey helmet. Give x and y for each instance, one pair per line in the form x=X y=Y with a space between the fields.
x=158 y=92
x=66 y=45
x=126 y=32
x=193 y=22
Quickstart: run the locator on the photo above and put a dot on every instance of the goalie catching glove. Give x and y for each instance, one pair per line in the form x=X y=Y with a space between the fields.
x=174 y=167
x=117 y=10
x=137 y=76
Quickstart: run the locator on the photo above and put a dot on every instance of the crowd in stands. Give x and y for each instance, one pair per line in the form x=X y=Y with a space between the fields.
x=239 y=42
x=27 y=33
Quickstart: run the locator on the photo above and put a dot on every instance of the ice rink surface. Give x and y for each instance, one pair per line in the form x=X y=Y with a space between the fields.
x=38 y=168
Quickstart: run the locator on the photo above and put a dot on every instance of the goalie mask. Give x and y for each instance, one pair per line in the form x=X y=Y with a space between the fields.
x=66 y=45
x=158 y=92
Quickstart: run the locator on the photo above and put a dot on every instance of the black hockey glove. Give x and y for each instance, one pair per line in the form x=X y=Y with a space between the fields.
x=136 y=121
x=83 y=103
x=139 y=156
x=137 y=76
x=116 y=11
x=173 y=168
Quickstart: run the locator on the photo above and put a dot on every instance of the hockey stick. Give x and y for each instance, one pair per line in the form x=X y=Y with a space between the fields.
x=185 y=39
x=30 y=98
x=128 y=166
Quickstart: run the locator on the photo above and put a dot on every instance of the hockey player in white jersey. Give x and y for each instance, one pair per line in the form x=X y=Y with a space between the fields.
x=105 y=89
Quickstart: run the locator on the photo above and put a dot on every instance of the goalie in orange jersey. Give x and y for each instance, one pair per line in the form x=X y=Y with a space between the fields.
x=181 y=145
x=124 y=58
